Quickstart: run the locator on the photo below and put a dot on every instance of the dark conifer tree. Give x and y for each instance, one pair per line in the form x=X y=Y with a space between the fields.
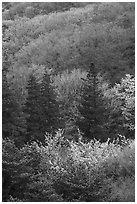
x=50 y=119
x=8 y=108
x=92 y=109
x=41 y=109
x=31 y=109
x=9 y=104
x=12 y=119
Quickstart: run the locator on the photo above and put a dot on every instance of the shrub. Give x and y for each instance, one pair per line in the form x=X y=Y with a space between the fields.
x=26 y=180
x=70 y=171
x=86 y=172
x=122 y=115
x=123 y=190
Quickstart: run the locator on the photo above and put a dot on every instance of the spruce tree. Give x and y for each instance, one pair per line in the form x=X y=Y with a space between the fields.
x=12 y=120
x=50 y=119
x=31 y=109
x=92 y=109
x=8 y=108
x=41 y=109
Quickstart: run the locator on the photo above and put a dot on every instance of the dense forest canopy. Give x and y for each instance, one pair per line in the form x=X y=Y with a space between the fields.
x=64 y=37
x=68 y=79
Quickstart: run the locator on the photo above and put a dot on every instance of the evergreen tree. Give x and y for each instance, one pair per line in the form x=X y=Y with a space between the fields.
x=31 y=109
x=49 y=116
x=41 y=109
x=12 y=118
x=92 y=109
x=8 y=108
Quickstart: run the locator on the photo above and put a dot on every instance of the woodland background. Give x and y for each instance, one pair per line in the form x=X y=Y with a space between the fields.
x=68 y=101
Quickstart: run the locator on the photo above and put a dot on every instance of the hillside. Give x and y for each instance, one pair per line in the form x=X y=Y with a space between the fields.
x=68 y=88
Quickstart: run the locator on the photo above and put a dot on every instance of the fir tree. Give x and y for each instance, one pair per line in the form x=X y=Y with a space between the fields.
x=31 y=109
x=41 y=109
x=12 y=119
x=8 y=108
x=92 y=109
x=49 y=106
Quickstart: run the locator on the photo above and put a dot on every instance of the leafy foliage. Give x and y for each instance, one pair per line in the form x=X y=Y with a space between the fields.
x=32 y=9
x=122 y=114
x=47 y=49
x=68 y=87
x=22 y=165
x=71 y=39
x=69 y=171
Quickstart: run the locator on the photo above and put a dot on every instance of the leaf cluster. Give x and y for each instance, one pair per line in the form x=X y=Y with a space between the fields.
x=69 y=171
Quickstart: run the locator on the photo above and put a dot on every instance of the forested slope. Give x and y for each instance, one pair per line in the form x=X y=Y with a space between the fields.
x=68 y=66
x=102 y=33
x=67 y=40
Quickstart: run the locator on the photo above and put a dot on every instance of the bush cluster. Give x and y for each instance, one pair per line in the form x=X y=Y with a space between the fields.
x=69 y=171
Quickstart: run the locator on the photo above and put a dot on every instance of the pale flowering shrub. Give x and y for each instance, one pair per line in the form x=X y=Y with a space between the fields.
x=121 y=99
x=84 y=171
x=22 y=167
x=66 y=171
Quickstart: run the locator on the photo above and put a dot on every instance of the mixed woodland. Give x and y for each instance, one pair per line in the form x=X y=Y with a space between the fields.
x=68 y=102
